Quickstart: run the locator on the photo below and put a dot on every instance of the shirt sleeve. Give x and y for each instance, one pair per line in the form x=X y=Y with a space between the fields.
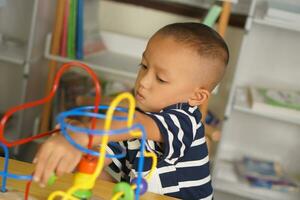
x=178 y=129
x=116 y=166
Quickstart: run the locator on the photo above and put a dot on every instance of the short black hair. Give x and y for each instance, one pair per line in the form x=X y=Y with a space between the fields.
x=199 y=36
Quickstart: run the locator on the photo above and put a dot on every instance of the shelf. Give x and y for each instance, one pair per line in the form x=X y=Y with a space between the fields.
x=277 y=24
x=12 y=54
x=225 y=179
x=241 y=103
x=259 y=18
x=121 y=58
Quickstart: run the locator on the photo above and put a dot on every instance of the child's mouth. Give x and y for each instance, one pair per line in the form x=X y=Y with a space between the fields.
x=139 y=97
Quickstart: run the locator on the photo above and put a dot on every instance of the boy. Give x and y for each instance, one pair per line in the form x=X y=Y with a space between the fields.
x=181 y=65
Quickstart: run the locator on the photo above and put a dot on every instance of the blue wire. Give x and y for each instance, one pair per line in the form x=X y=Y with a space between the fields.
x=81 y=111
x=64 y=126
x=15 y=176
x=141 y=160
x=101 y=107
x=60 y=119
x=90 y=114
x=5 y=174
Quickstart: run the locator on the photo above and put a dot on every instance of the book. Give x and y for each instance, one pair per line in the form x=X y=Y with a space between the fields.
x=79 y=30
x=72 y=29
x=283 y=103
x=284 y=184
x=63 y=50
x=259 y=168
x=265 y=174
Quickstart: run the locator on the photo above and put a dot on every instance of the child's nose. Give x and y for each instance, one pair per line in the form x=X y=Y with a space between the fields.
x=146 y=80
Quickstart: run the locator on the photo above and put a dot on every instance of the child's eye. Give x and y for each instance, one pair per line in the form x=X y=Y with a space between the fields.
x=143 y=66
x=160 y=80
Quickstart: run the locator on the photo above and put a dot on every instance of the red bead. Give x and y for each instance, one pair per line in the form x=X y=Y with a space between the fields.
x=87 y=164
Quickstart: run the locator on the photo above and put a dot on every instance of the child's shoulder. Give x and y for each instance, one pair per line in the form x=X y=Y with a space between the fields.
x=181 y=110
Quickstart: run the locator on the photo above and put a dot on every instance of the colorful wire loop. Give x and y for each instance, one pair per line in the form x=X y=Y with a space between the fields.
x=84 y=182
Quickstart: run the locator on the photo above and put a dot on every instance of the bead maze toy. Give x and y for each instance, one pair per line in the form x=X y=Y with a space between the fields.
x=92 y=162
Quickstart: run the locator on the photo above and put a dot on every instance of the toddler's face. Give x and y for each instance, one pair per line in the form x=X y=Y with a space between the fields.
x=168 y=74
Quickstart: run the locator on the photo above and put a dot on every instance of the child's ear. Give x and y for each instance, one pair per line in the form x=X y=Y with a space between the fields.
x=199 y=97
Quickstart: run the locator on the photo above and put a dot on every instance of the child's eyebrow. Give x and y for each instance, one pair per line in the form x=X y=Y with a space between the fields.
x=144 y=56
x=159 y=68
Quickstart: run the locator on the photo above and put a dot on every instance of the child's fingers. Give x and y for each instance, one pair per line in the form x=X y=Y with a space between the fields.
x=35 y=159
x=62 y=167
x=57 y=126
x=54 y=159
x=67 y=165
x=73 y=164
x=41 y=163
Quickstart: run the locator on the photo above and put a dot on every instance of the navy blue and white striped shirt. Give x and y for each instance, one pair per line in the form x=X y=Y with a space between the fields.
x=183 y=164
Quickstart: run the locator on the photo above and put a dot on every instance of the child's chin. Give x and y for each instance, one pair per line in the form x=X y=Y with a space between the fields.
x=142 y=107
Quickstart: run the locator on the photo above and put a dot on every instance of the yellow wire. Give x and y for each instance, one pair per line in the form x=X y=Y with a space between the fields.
x=153 y=166
x=104 y=141
x=62 y=194
x=72 y=190
x=117 y=196
x=107 y=125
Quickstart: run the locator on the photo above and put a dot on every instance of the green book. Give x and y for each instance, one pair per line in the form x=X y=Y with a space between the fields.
x=212 y=15
x=71 y=48
x=283 y=103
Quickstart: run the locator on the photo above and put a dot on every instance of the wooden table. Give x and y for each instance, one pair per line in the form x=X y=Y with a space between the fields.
x=102 y=189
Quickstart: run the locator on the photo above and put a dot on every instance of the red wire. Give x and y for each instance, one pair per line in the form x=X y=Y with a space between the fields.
x=28 y=184
x=11 y=111
x=64 y=67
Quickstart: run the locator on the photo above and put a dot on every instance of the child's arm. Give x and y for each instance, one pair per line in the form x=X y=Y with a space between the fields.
x=56 y=154
x=141 y=118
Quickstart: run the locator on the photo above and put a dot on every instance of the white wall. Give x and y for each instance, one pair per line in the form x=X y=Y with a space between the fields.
x=134 y=20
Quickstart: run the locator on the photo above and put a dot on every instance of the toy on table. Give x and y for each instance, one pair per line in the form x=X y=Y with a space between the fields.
x=92 y=162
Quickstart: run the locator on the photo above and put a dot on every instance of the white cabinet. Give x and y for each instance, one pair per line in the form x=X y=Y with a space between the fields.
x=22 y=68
x=269 y=57
x=16 y=44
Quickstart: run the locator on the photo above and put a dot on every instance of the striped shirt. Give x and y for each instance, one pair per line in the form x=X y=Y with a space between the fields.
x=183 y=164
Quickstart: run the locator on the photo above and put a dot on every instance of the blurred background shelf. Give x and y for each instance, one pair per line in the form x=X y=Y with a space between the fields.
x=12 y=54
x=121 y=57
x=278 y=24
x=242 y=103
x=260 y=15
x=229 y=181
x=268 y=59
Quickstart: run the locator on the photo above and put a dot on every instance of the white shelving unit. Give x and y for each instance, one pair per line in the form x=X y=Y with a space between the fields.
x=269 y=57
x=241 y=103
x=229 y=181
x=120 y=59
x=12 y=54
x=23 y=29
x=258 y=17
x=21 y=55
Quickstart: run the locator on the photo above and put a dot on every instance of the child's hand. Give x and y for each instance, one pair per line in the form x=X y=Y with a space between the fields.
x=57 y=155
